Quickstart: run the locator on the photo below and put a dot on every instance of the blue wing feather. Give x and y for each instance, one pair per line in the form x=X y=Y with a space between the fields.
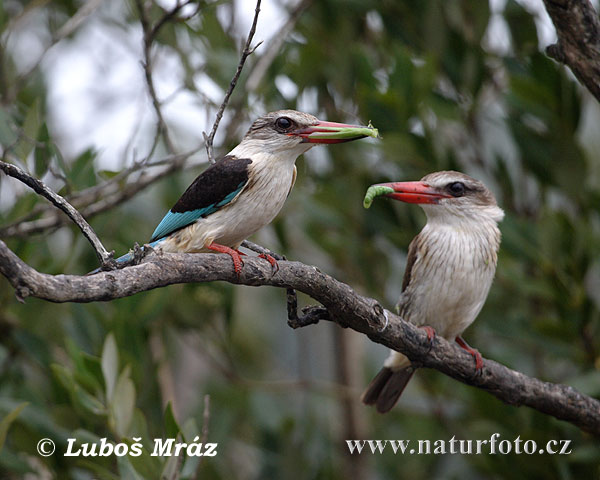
x=174 y=221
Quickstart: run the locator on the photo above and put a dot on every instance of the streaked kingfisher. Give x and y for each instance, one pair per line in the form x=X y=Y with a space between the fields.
x=449 y=270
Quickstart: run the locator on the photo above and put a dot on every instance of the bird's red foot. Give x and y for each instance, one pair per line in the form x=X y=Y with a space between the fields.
x=235 y=255
x=271 y=260
x=472 y=351
x=430 y=332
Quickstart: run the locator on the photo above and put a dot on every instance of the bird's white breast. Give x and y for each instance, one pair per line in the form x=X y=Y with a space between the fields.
x=451 y=276
x=269 y=182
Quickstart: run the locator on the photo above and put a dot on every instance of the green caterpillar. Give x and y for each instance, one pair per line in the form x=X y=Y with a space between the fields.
x=375 y=191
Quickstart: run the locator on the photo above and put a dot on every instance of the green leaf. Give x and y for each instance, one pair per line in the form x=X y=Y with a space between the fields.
x=145 y=464
x=100 y=472
x=7 y=135
x=123 y=403
x=8 y=420
x=79 y=397
x=190 y=429
x=89 y=402
x=110 y=365
x=82 y=172
x=170 y=468
x=42 y=154
x=139 y=428
x=108 y=174
x=92 y=366
x=85 y=372
x=172 y=428
x=31 y=128
x=85 y=436
x=57 y=154
x=126 y=470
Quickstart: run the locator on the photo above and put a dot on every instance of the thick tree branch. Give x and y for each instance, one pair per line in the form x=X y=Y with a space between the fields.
x=208 y=139
x=343 y=304
x=578 y=46
x=39 y=187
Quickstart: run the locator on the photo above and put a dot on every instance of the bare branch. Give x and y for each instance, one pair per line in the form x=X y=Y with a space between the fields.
x=209 y=139
x=40 y=188
x=72 y=24
x=205 y=422
x=150 y=33
x=578 y=46
x=98 y=198
x=259 y=69
x=171 y=16
x=274 y=48
x=345 y=307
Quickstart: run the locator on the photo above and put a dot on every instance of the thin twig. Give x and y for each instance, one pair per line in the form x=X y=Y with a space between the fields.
x=169 y=16
x=259 y=69
x=255 y=247
x=98 y=198
x=209 y=139
x=150 y=33
x=40 y=188
x=72 y=24
x=205 y=423
x=274 y=48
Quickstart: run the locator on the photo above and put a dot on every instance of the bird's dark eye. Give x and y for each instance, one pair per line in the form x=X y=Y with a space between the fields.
x=456 y=189
x=283 y=123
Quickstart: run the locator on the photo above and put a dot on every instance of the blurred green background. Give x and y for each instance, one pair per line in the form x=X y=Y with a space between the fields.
x=450 y=84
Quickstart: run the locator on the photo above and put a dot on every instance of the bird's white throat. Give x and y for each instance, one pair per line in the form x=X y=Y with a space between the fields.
x=273 y=148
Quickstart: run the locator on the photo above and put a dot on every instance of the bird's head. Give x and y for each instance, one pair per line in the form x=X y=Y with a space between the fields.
x=289 y=131
x=444 y=195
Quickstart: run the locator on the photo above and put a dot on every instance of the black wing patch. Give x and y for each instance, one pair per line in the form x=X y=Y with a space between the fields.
x=414 y=250
x=214 y=188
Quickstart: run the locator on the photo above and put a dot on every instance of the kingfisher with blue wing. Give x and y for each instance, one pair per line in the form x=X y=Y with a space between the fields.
x=244 y=191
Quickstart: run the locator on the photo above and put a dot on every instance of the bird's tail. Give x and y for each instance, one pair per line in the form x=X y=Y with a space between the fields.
x=387 y=386
x=128 y=256
x=123 y=258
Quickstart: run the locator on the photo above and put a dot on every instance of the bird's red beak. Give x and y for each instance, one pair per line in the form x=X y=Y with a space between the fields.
x=413 y=192
x=332 y=132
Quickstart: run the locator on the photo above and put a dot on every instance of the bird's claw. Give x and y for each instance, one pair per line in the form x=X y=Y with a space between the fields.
x=235 y=255
x=387 y=321
x=474 y=352
x=271 y=260
x=430 y=334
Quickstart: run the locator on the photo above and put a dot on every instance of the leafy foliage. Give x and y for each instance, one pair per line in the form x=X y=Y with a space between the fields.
x=443 y=97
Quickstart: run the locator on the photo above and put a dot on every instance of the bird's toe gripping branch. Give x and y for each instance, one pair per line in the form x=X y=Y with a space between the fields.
x=235 y=255
x=475 y=353
x=430 y=332
x=265 y=253
x=271 y=260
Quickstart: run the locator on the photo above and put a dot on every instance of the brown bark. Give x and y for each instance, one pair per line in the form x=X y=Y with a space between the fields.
x=343 y=304
x=578 y=46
